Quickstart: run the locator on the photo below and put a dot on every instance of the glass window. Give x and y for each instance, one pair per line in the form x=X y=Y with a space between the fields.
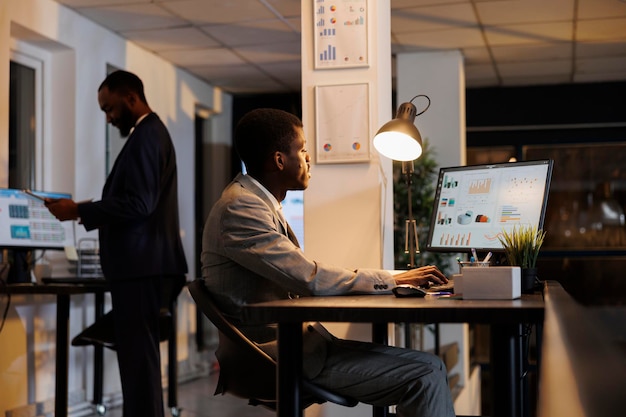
x=587 y=196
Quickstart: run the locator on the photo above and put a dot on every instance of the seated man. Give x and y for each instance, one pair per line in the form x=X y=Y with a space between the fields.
x=250 y=255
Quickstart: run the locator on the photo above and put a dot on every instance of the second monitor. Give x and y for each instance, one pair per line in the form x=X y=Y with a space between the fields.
x=26 y=223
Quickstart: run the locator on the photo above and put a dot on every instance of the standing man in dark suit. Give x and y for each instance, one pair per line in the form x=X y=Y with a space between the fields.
x=140 y=246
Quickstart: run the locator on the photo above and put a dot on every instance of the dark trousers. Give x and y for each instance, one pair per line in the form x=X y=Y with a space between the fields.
x=136 y=304
x=383 y=375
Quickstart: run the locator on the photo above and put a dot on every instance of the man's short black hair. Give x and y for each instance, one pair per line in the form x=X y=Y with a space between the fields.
x=262 y=132
x=123 y=82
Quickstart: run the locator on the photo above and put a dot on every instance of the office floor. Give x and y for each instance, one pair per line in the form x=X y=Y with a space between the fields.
x=196 y=399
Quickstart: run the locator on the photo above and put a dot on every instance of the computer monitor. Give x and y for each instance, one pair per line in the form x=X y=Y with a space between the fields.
x=26 y=223
x=474 y=204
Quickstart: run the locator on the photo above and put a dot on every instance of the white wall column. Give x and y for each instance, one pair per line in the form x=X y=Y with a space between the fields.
x=348 y=206
x=441 y=77
x=342 y=209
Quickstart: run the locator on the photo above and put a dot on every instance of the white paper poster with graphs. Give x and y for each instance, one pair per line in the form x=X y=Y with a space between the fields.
x=342 y=123
x=340 y=33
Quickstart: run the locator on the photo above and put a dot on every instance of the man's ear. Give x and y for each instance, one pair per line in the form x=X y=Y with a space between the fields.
x=131 y=99
x=279 y=160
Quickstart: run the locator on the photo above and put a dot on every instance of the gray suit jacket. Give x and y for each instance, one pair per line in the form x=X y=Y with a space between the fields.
x=249 y=257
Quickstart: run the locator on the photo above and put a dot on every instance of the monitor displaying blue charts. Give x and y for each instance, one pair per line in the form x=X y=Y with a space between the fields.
x=474 y=204
x=26 y=223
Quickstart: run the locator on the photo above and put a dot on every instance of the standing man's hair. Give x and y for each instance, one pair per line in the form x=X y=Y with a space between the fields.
x=262 y=132
x=124 y=82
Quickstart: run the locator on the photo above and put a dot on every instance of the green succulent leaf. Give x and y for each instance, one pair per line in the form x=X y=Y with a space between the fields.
x=522 y=244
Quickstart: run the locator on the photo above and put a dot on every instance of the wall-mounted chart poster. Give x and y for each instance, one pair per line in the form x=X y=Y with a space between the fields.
x=342 y=123
x=340 y=33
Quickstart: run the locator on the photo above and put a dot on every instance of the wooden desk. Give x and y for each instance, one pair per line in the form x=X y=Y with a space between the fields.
x=62 y=293
x=505 y=317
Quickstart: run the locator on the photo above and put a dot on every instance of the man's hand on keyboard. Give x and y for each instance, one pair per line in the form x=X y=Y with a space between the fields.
x=421 y=276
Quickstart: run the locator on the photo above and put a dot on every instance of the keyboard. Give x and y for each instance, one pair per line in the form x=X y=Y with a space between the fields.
x=449 y=287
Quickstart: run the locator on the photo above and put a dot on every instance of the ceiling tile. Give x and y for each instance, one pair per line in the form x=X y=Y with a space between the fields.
x=442 y=39
x=594 y=9
x=533 y=52
x=290 y=72
x=133 y=17
x=480 y=72
x=240 y=79
x=216 y=56
x=295 y=24
x=287 y=8
x=507 y=12
x=600 y=77
x=529 y=33
x=482 y=82
x=256 y=87
x=476 y=56
x=403 y=4
x=251 y=83
x=224 y=71
x=535 y=68
x=201 y=12
x=271 y=52
x=255 y=44
x=601 y=29
x=431 y=18
x=97 y=3
x=601 y=48
x=168 y=39
x=608 y=64
x=536 y=80
x=252 y=33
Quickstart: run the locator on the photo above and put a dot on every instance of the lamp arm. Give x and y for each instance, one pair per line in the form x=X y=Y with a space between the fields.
x=427 y=106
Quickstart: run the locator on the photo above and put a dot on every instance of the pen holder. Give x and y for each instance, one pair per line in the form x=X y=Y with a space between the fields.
x=495 y=283
x=466 y=264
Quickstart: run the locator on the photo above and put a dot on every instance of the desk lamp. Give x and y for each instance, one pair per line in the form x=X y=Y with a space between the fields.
x=400 y=140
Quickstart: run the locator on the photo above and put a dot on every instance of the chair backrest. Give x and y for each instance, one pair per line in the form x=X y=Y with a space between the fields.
x=245 y=370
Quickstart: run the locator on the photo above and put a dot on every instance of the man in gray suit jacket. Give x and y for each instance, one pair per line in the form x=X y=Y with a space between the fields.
x=250 y=254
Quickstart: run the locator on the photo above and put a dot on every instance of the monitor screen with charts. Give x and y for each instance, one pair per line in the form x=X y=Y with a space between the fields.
x=474 y=204
x=26 y=223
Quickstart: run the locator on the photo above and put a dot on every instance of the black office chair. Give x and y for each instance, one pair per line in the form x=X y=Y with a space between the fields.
x=101 y=334
x=246 y=371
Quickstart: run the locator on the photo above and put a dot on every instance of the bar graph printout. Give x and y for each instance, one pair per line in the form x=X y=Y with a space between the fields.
x=340 y=33
x=474 y=204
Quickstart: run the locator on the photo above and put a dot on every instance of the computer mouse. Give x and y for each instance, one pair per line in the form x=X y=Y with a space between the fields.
x=408 y=290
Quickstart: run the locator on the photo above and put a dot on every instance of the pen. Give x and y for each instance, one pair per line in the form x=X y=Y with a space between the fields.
x=439 y=293
x=474 y=255
x=487 y=257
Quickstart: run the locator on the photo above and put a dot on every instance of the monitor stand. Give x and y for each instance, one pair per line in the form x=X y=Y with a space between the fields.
x=20 y=266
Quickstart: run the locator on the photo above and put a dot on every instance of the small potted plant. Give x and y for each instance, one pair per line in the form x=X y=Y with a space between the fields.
x=521 y=247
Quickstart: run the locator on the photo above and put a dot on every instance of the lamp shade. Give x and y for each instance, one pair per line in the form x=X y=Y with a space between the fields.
x=399 y=139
